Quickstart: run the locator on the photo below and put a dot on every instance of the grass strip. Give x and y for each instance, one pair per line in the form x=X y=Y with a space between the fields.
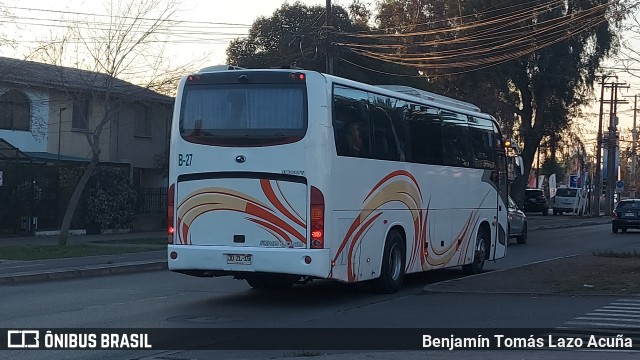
x=42 y=252
x=141 y=241
x=618 y=254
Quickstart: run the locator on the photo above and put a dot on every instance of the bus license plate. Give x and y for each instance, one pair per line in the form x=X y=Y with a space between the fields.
x=240 y=259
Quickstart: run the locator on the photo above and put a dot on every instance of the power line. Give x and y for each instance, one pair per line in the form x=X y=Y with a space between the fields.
x=118 y=16
x=546 y=33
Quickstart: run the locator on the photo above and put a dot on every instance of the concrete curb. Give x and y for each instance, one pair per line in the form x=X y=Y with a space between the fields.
x=87 y=271
x=569 y=225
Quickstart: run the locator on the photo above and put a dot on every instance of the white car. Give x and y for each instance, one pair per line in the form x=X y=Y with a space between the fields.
x=567 y=199
x=517 y=223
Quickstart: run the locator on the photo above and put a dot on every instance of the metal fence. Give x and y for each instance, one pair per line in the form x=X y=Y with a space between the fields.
x=152 y=200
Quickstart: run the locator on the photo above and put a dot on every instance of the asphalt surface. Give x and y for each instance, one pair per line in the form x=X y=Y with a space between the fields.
x=15 y=272
x=18 y=272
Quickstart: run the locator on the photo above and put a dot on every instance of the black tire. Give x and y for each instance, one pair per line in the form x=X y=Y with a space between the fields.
x=479 y=255
x=393 y=263
x=624 y=230
x=614 y=229
x=267 y=282
x=522 y=239
x=545 y=212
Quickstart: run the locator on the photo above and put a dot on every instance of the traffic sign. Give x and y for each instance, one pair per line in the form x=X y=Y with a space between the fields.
x=619 y=184
x=573 y=181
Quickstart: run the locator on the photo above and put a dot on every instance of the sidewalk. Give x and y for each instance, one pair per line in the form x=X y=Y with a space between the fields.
x=16 y=272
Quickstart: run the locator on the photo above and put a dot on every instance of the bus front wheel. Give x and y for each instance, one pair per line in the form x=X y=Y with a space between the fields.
x=393 y=263
x=479 y=254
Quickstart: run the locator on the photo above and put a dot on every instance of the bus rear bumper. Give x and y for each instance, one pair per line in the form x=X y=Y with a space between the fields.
x=268 y=260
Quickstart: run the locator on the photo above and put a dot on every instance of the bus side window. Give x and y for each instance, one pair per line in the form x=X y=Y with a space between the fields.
x=352 y=131
x=385 y=140
x=426 y=135
x=481 y=140
x=455 y=139
x=400 y=120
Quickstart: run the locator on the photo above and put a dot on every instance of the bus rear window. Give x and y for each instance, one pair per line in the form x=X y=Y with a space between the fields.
x=243 y=114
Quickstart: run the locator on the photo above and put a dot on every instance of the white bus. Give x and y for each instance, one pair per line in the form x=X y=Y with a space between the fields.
x=283 y=176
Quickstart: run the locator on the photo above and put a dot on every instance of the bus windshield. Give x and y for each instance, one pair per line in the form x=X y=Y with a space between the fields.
x=242 y=114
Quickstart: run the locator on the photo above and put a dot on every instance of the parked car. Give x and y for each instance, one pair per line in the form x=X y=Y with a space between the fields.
x=517 y=223
x=626 y=215
x=535 y=201
x=567 y=200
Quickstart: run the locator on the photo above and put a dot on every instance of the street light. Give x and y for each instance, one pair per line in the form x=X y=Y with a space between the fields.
x=60 y=129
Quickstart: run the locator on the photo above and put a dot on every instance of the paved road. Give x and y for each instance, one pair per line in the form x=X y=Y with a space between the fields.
x=162 y=299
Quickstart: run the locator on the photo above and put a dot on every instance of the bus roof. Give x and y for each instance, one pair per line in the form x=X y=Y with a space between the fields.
x=401 y=91
x=422 y=96
x=426 y=95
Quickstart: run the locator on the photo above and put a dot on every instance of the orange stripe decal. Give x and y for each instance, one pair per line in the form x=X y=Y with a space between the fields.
x=265 y=215
x=271 y=195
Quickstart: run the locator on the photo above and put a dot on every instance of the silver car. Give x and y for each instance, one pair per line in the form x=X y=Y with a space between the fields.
x=517 y=223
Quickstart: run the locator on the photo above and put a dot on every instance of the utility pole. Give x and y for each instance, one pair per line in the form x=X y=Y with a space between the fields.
x=612 y=141
x=597 y=189
x=634 y=142
x=634 y=135
x=329 y=64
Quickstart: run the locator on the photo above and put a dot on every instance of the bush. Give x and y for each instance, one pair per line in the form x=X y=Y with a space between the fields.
x=110 y=199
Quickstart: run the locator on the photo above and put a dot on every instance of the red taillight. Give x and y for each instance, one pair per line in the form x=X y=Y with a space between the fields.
x=170 y=208
x=317 y=219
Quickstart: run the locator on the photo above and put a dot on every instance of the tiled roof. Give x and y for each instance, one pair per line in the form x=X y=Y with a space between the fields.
x=34 y=74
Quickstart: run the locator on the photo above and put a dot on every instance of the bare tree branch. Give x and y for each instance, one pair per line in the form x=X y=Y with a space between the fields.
x=103 y=56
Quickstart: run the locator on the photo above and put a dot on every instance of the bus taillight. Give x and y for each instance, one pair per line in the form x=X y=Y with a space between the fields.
x=170 y=208
x=317 y=219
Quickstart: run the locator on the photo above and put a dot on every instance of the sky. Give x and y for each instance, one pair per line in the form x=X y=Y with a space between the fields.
x=207 y=16
x=207 y=28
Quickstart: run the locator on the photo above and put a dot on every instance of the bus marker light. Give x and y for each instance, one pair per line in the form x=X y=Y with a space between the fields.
x=317 y=219
x=173 y=255
x=307 y=259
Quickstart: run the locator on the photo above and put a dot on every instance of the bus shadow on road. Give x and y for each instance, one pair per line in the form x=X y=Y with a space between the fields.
x=325 y=292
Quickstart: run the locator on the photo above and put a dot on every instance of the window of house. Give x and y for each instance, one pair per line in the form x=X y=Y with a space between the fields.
x=143 y=121
x=15 y=111
x=80 y=117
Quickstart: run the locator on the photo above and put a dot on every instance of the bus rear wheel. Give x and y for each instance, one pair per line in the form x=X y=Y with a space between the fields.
x=393 y=263
x=479 y=254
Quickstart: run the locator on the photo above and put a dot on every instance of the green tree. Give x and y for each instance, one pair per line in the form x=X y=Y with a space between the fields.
x=296 y=35
x=532 y=76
